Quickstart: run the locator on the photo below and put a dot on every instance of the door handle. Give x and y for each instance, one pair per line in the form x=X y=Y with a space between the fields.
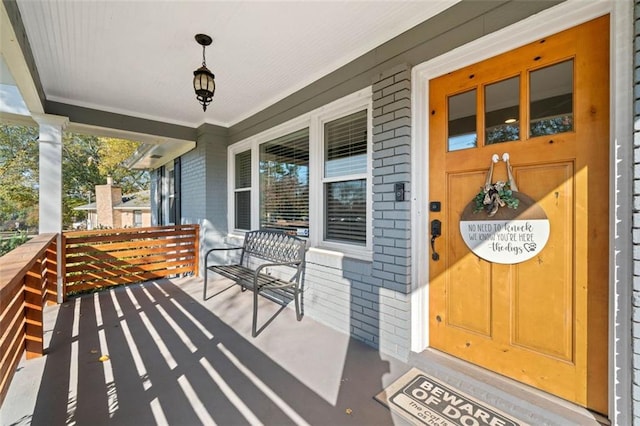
x=436 y=231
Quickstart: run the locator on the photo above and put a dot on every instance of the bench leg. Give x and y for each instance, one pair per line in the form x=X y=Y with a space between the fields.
x=254 y=326
x=297 y=295
x=204 y=291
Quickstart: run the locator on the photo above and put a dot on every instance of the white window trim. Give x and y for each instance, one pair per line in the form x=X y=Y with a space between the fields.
x=316 y=201
x=231 y=183
x=314 y=121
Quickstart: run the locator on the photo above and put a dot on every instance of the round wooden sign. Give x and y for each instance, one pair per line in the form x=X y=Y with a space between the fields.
x=509 y=236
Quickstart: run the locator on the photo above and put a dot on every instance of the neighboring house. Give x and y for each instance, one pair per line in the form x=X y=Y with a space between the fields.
x=114 y=210
x=375 y=164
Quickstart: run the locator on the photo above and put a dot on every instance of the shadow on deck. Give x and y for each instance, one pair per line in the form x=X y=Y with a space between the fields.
x=174 y=359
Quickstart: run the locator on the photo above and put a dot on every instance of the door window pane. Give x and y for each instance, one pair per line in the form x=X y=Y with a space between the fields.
x=502 y=111
x=284 y=184
x=462 y=121
x=551 y=107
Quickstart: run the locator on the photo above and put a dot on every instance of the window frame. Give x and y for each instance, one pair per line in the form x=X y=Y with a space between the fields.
x=168 y=187
x=235 y=190
x=259 y=171
x=314 y=121
x=137 y=218
x=326 y=116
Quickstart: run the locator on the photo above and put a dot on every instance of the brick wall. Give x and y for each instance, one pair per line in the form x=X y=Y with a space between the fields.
x=108 y=196
x=636 y=217
x=391 y=218
x=370 y=300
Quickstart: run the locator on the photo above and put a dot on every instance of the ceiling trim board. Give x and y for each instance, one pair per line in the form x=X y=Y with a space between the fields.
x=17 y=54
x=93 y=117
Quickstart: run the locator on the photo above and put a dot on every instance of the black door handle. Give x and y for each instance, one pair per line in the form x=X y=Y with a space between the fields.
x=436 y=231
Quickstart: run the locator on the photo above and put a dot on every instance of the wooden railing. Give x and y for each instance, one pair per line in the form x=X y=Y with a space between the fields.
x=104 y=258
x=90 y=260
x=28 y=279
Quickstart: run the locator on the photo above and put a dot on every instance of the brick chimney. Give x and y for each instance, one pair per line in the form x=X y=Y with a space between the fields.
x=108 y=196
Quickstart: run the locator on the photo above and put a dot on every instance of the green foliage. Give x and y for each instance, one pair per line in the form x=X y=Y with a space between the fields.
x=18 y=175
x=9 y=243
x=551 y=126
x=503 y=133
x=86 y=162
x=483 y=200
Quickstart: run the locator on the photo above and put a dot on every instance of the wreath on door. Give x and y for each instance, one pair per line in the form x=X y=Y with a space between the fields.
x=493 y=196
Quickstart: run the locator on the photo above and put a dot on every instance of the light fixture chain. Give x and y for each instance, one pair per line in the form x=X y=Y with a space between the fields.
x=204 y=62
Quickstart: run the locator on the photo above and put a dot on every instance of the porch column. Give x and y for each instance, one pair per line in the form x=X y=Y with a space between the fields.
x=50 y=180
x=50 y=196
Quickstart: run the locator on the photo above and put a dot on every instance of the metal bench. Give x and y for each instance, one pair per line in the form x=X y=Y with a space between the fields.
x=269 y=261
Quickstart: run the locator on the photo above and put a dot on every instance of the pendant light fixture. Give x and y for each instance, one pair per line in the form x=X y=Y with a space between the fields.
x=204 y=82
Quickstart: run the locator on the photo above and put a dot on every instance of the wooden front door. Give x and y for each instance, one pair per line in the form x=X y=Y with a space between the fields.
x=543 y=321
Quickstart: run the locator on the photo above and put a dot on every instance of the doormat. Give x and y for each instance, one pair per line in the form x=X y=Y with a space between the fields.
x=423 y=400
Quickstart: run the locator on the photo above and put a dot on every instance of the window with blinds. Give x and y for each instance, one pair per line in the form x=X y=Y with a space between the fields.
x=243 y=190
x=284 y=184
x=345 y=184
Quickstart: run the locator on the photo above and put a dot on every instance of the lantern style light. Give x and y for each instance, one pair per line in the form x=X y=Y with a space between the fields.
x=204 y=82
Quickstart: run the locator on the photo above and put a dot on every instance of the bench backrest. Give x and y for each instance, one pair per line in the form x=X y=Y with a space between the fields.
x=274 y=246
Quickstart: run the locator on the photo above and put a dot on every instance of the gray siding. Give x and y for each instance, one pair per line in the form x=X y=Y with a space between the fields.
x=636 y=218
x=193 y=186
x=204 y=186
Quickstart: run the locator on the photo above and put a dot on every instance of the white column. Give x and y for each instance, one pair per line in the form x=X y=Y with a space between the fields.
x=50 y=197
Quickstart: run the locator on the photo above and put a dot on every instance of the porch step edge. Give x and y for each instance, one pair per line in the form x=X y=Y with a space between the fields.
x=516 y=399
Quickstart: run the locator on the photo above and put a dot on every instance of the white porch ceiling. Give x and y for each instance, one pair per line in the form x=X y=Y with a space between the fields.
x=137 y=57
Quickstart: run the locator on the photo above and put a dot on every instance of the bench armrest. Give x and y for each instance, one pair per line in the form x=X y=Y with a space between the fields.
x=293 y=280
x=267 y=265
x=206 y=256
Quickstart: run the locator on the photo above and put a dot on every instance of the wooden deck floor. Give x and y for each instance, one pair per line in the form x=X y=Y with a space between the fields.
x=174 y=359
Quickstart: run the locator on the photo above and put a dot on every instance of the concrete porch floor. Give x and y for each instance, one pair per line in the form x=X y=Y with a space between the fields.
x=174 y=359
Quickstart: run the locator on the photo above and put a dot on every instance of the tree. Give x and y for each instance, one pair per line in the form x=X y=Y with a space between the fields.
x=112 y=155
x=18 y=176
x=86 y=162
